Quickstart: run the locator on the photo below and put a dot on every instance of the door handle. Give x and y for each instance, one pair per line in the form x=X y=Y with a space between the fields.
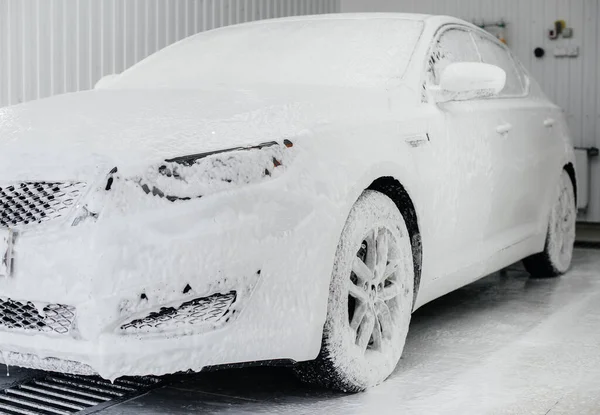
x=504 y=129
x=549 y=122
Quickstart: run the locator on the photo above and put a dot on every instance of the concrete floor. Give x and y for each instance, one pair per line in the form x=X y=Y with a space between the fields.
x=504 y=345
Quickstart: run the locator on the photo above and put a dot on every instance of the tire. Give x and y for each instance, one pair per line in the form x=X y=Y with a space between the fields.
x=361 y=352
x=556 y=258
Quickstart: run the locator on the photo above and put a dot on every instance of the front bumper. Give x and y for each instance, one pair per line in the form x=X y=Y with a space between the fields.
x=273 y=249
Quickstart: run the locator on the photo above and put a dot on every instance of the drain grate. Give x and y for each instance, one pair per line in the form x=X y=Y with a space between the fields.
x=64 y=394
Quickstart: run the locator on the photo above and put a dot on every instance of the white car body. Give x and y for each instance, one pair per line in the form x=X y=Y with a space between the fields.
x=480 y=174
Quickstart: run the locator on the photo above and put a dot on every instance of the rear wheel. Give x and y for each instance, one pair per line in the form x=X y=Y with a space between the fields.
x=370 y=299
x=558 y=251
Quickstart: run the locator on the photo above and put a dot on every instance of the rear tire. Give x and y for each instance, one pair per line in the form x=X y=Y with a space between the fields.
x=370 y=299
x=556 y=258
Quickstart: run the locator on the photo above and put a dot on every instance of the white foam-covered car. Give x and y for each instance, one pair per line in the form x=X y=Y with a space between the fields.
x=288 y=190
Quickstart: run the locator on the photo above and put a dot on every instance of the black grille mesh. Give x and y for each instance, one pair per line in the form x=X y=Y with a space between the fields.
x=56 y=318
x=36 y=202
x=210 y=309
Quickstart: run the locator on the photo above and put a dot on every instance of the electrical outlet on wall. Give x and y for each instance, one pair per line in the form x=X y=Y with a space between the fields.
x=566 y=52
x=560 y=52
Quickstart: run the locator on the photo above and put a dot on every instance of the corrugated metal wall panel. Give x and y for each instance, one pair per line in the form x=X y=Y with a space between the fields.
x=573 y=83
x=50 y=47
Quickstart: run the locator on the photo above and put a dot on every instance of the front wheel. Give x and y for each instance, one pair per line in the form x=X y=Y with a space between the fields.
x=558 y=251
x=370 y=299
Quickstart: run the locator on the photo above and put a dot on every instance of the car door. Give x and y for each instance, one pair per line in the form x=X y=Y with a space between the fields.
x=459 y=163
x=518 y=175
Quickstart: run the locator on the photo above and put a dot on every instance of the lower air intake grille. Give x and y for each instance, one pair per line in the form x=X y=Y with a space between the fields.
x=212 y=310
x=56 y=318
x=36 y=202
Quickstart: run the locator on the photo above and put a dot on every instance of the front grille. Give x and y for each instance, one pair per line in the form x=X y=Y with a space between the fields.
x=55 y=318
x=212 y=310
x=36 y=202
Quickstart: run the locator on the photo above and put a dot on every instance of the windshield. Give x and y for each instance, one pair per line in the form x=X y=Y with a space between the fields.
x=351 y=51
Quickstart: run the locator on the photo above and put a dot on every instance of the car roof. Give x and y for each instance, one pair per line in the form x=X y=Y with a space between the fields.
x=428 y=19
x=361 y=16
x=354 y=16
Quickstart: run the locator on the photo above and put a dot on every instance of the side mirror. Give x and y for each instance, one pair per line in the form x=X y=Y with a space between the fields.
x=468 y=80
x=106 y=81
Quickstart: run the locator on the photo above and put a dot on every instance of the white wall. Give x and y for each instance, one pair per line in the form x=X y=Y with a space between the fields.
x=50 y=47
x=573 y=83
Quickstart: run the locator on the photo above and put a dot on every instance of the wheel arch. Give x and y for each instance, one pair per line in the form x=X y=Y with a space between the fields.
x=393 y=189
x=570 y=169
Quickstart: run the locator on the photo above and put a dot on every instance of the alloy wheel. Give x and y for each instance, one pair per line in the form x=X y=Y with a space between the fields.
x=373 y=290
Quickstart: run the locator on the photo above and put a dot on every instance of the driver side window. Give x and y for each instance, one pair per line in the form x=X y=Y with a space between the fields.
x=454 y=45
x=495 y=54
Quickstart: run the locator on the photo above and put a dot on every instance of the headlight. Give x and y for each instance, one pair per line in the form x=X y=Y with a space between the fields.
x=197 y=175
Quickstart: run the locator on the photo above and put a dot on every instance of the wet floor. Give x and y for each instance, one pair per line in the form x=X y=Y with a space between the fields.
x=504 y=345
